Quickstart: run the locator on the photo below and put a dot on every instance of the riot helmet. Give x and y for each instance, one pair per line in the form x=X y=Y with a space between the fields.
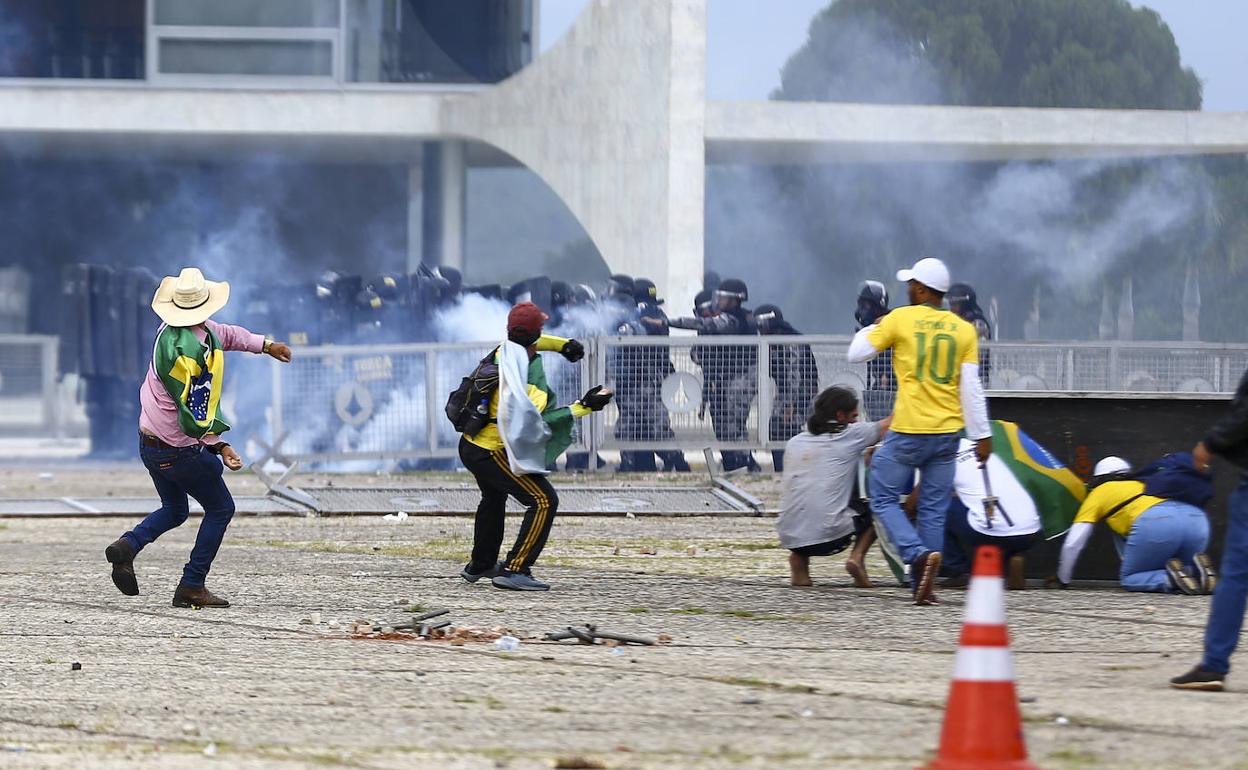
x=769 y=319
x=620 y=288
x=703 y=305
x=644 y=290
x=731 y=290
x=872 y=303
x=962 y=300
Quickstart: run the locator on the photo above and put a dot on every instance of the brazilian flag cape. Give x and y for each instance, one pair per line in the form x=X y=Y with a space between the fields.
x=1055 y=489
x=192 y=372
x=559 y=419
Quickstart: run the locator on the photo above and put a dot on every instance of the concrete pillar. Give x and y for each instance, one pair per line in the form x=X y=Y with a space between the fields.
x=613 y=118
x=444 y=200
x=415 y=216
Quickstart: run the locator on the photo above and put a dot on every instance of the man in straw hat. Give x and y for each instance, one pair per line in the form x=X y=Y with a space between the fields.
x=180 y=429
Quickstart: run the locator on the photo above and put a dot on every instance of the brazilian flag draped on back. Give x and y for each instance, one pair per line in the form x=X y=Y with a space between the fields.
x=1056 y=491
x=191 y=371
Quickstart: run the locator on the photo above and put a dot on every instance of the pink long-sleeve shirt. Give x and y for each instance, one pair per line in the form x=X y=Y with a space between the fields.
x=159 y=415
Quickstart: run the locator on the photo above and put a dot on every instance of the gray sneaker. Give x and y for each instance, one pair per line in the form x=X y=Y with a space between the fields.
x=491 y=572
x=1205 y=572
x=1183 y=583
x=519 y=581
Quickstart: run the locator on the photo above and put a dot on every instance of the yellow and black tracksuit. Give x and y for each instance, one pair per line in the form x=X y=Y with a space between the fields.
x=485 y=457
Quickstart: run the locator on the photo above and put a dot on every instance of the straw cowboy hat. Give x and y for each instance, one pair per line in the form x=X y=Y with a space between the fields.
x=189 y=300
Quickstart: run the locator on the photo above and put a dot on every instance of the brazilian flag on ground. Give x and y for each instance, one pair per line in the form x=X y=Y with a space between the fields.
x=1056 y=491
x=191 y=371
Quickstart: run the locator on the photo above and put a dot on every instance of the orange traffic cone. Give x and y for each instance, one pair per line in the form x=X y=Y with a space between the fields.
x=983 y=729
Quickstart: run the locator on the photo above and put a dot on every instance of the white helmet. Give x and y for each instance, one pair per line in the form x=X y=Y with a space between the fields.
x=1109 y=465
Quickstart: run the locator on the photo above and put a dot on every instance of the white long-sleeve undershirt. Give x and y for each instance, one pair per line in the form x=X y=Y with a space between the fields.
x=1078 y=536
x=974 y=404
x=861 y=349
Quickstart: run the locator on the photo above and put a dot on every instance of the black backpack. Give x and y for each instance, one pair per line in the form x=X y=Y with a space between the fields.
x=468 y=407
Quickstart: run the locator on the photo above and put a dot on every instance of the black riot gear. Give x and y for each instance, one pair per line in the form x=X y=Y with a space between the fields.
x=872 y=303
x=644 y=291
x=620 y=288
x=703 y=305
x=731 y=289
x=770 y=320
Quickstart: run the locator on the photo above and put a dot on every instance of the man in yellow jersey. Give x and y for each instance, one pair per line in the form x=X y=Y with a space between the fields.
x=1162 y=541
x=491 y=455
x=939 y=395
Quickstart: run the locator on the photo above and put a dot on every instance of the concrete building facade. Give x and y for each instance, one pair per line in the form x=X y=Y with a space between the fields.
x=613 y=117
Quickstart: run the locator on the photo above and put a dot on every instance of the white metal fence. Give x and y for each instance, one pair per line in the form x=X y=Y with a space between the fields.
x=343 y=403
x=29 y=396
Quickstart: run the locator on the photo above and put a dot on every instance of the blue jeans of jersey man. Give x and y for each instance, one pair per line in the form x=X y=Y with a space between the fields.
x=1226 y=614
x=892 y=476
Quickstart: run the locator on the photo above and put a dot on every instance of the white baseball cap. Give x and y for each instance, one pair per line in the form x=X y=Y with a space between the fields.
x=1109 y=465
x=929 y=271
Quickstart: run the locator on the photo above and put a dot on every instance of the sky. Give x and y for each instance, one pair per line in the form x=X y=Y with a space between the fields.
x=745 y=52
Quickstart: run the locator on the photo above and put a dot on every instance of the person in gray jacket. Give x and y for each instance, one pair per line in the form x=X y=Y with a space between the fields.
x=821 y=465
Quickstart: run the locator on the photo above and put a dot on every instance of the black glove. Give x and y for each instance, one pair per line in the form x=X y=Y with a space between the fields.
x=595 y=400
x=573 y=351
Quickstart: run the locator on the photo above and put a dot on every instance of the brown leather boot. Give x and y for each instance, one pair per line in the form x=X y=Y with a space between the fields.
x=1015 y=576
x=187 y=596
x=121 y=555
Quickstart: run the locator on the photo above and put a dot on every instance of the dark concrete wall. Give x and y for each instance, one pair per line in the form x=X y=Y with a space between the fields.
x=1080 y=431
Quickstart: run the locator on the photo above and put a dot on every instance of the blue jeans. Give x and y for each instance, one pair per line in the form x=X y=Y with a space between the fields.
x=961 y=537
x=1226 y=615
x=892 y=475
x=1169 y=530
x=176 y=474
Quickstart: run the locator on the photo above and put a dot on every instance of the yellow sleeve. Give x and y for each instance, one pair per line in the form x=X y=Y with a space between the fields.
x=538 y=397
x=551 y=343
x=884 y=334
x=970 y=349
x=580 y=410
x=1101 y=501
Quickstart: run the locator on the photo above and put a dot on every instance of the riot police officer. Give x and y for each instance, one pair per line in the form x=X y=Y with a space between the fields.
x=881 y=386
x=963 y=302
x=730 y=372
x=645 y=388
x=795 y=374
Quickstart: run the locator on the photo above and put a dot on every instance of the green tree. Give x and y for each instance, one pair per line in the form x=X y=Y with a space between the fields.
x=863 y=220
x=1035 y=53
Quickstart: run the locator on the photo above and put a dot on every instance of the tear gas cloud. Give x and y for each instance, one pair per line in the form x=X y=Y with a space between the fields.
x=1004 y=228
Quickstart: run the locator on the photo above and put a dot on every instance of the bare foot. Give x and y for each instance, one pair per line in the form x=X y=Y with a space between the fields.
x=799 y=571
x=859 y=573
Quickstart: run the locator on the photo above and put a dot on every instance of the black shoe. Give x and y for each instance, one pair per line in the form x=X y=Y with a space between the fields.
x=121 y=555
x=956 y=581
x=1181 y=581
x=923 y=577
x=1206 y=575
x=490 y=572
x=519 y=581
x=1199 y=679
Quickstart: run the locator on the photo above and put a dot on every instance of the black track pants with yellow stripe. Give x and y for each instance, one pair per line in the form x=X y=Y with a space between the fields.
x=496 y=480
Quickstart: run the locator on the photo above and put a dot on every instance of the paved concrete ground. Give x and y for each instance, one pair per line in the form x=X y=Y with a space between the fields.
x=758 y=675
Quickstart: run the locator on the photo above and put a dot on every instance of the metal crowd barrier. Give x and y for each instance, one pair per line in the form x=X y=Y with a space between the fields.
x=338 y=403
x=385 y=402
x=29 y=396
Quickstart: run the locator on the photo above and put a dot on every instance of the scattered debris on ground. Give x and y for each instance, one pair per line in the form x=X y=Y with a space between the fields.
x=591 y=635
